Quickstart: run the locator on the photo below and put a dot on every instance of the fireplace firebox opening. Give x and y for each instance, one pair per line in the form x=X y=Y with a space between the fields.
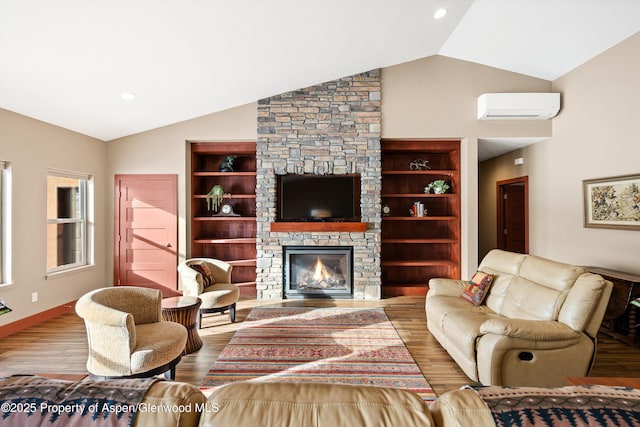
x=318 y=272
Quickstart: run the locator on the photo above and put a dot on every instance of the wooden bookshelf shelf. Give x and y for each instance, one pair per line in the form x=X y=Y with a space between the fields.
x=418 y=195
x=420 y=241
x=418 y=263
x=224 y=174
x=235 y=196
x=225 y=218
x=230 y=241
x=423 y=172
x=421 y=218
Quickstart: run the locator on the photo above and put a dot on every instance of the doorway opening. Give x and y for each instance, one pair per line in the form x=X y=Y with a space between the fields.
x=513 y=214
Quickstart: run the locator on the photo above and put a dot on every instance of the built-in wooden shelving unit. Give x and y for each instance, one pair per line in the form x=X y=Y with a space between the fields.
x=229 y=238
x=415 y=249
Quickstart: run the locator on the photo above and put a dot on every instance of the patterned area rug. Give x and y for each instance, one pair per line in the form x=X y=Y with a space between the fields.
x=327 y=345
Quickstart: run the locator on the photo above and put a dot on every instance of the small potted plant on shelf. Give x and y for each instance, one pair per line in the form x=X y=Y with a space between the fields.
x=214 y=197
x=438 y=186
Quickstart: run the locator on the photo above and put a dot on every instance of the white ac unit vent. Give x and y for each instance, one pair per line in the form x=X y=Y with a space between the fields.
x=518 y=106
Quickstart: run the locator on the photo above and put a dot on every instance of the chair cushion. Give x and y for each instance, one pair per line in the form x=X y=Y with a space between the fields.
x=219 y=295
x=477 y=288
x=158 y=344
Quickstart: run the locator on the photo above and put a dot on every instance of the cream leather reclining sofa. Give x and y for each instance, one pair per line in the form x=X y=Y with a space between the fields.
x=537 y=324
x=282 y=404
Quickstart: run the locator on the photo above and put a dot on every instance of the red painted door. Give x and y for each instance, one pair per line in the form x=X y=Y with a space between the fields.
x=146 y=231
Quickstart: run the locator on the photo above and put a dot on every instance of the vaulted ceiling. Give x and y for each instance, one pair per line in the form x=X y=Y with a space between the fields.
x=67 y=62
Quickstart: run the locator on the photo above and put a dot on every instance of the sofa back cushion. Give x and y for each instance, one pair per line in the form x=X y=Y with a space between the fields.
x=503 y=266
x=540 y=289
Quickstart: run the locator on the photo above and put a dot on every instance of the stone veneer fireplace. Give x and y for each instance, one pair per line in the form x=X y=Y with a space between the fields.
x=331 y=128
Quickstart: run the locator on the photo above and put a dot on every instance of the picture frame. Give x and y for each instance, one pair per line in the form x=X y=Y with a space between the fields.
x=612 y=202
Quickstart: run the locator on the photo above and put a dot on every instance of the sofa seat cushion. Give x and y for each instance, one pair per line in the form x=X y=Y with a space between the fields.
x=438 y=307
x=257 y=403
x=463 y=329
x=535 y=330
x=157 y=344
x=219 y=295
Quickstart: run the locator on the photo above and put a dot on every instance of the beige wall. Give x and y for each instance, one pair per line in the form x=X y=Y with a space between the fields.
x=31 y=147
x=436 y=97
x=166 y=151
x=595 y=135
x=433 y=97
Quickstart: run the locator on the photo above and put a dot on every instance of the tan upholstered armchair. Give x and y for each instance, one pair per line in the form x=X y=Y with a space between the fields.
x=126 y=333
x=210 y=280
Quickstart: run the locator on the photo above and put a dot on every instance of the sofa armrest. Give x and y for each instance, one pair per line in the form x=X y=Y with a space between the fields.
x=538 y=330
x=461 y=408
x=446 y=287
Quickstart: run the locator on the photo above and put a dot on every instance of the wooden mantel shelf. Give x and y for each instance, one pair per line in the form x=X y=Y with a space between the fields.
x=318 y=226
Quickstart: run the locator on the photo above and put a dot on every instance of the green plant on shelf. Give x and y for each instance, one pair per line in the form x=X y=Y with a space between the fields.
x=438 y=186
x=214 y=197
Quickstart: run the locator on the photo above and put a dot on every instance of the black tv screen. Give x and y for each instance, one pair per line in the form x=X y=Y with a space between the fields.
x=318 y=197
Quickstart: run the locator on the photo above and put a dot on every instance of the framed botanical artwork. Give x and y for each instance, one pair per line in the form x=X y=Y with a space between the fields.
x=612 y=202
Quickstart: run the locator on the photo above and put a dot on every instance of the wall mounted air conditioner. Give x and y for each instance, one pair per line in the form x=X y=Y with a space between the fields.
x=518 y=106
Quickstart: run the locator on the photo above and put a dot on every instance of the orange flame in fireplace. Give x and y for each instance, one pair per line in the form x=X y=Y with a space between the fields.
x=320 y=271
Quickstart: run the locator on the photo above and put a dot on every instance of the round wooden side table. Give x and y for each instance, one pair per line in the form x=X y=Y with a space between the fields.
x=184 y=310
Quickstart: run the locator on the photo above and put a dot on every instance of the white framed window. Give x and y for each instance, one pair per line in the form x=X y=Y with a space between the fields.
x=4 y=222
x=68 y=210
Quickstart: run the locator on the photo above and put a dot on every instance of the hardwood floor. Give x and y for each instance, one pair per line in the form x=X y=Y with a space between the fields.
x=60 y=345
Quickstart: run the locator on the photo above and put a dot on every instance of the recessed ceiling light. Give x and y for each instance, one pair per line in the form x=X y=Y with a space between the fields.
x=127 y=96
x=439 y=13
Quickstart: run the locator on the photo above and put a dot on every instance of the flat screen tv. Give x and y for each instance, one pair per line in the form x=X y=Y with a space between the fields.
x=318 y=197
